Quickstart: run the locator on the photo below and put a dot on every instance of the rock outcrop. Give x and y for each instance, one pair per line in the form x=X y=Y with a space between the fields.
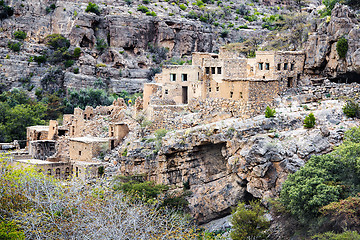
x=322 y=57
x=235 y=160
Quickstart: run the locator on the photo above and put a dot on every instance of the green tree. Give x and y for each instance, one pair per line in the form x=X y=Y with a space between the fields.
x=342 y=47
x=86 y=97
x=309 y=121
x=324 y=179
x=249 y=222
x=57 y=42
x=18 y=111
x=92 y=7
x=20 y=35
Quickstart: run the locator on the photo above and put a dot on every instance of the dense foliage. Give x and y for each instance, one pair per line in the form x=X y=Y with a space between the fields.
x=20 y=35
x=57 y=41
x=92 y=7
x=44 y=208
x=342 y=47
x=324 y=179
x=337 y=236
x=86 y=97
x=309 y=121
x=18 y=111
x=351 y=109
x=5 y=10
x=249 y=222
x=329 y=6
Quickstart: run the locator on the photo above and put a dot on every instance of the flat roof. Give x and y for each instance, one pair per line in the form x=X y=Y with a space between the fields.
x=83 y=163
x=39 y=128
x=89 y=139
x=35 y=161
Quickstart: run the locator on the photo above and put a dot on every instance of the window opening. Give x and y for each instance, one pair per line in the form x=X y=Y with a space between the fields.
x=184 y=77
x=285 y=66
x=260 y=66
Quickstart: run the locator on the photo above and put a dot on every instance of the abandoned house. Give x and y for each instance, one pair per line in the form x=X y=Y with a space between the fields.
x=71 y=149
x=228 y=76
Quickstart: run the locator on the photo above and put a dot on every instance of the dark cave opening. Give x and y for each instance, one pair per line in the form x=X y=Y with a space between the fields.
x=349 y=77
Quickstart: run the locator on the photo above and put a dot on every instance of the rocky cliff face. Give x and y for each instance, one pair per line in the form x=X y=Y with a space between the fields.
x=233 y=160
x=322 y=57
x=138 y=42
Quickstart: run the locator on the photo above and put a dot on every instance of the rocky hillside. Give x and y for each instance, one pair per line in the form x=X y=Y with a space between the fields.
x=123 y=43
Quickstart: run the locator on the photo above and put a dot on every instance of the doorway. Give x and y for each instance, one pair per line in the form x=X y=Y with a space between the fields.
x=290 y=82
x=185 y=95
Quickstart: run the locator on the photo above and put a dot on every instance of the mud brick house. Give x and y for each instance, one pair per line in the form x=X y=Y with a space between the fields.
x=227 y=75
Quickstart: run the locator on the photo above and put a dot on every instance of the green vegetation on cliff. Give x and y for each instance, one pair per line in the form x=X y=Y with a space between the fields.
x=324 y=194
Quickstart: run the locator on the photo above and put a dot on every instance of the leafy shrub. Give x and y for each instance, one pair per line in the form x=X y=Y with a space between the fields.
x=269 y=113
x=10 y=231
x=20 y=35
x=57 y=42
x=76 y=70
x=50 y=8
x=224 y=33
x=92 y=7
x=152 y=13
x=158 y=53
x=309 y=121
x=142 y=8
x=68 y=63
x=160 y=133
x=40 y=59
x=14 y=46
x=101 y=45
x=5 y=10
x=344 y=214
x=351 y=109
x=251 y=18
x=329 y=6
x=183 y=7
x=337 y=236
x=192 y=15
x=242 y=10
x=249 y=222
x=342 y=47
x=144 y=190
x=146 y=1
x=77 y=52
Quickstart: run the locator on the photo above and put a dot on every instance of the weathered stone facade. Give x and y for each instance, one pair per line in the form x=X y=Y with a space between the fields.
x=72 y=148
x=243 y=87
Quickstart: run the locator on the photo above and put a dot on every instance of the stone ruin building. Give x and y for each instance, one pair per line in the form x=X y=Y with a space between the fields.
x=229 y=76
x=71 y=149
x=250 y=83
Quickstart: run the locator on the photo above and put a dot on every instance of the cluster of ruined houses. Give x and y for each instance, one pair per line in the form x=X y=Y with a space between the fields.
x=227 y=75
x=70 y=149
